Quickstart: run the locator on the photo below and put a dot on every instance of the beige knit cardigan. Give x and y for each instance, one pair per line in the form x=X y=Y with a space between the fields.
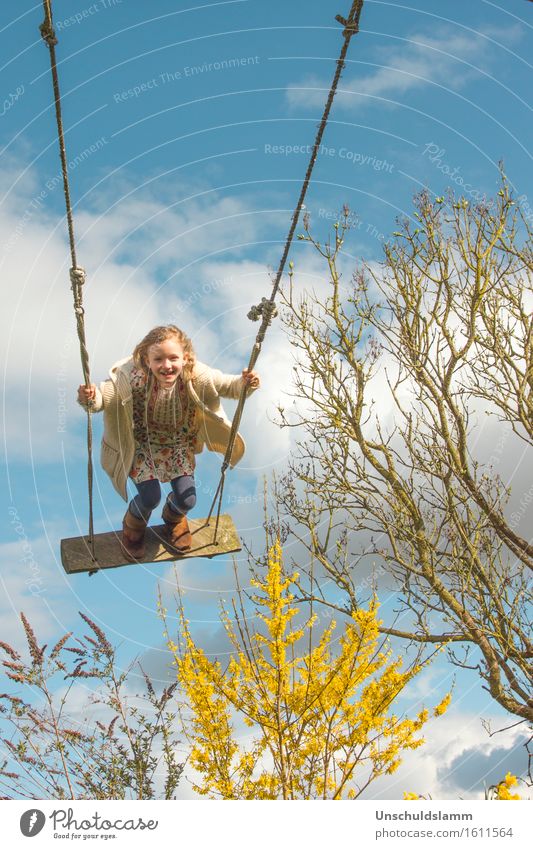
x=205 y=388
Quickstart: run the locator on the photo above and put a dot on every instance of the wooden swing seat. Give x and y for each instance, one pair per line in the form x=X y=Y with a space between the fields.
x=76 y=552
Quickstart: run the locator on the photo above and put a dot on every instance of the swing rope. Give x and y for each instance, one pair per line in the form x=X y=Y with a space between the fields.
x=77 y=274
x=267 y=308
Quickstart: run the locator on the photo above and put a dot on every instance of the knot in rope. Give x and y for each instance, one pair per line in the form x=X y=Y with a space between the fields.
x=77 y=279
x=48 y=33
x=77 y=276
x=266 y=308
x=350 y=27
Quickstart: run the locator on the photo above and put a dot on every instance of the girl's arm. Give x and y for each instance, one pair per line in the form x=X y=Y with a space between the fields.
x=229 y=385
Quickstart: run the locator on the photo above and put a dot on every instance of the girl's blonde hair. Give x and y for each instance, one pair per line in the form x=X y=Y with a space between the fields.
x=161 y=334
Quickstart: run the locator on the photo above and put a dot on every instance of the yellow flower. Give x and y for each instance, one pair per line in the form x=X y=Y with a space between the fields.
x=320 y=704
x=443 y=706
x=502 y=789
x=510 y=780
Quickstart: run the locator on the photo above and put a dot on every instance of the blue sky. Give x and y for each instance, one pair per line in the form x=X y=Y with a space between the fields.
x=187 y=134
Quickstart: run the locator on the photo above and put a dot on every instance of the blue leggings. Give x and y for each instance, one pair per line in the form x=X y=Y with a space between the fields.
x=181 y=500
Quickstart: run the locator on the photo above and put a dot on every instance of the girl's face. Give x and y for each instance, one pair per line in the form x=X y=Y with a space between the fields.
x=166 y=361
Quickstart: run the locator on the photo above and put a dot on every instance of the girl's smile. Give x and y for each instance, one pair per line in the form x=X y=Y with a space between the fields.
x=166 y=360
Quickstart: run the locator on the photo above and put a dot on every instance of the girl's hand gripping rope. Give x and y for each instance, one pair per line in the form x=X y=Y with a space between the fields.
x=251 y=378
x=86 y=393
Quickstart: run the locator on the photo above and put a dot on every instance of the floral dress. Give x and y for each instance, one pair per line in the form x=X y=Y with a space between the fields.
x=164 y=429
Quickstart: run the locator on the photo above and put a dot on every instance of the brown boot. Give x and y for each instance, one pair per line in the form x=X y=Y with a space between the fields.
x=178 y=532
x=133 y=534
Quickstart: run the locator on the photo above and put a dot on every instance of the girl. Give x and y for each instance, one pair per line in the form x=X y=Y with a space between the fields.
x=161 y=407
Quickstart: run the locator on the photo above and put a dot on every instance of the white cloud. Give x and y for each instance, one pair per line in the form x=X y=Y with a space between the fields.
x=31 y=584
x=147 y=263
x=435 y=768
x=447 y=57
x=39 y=347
